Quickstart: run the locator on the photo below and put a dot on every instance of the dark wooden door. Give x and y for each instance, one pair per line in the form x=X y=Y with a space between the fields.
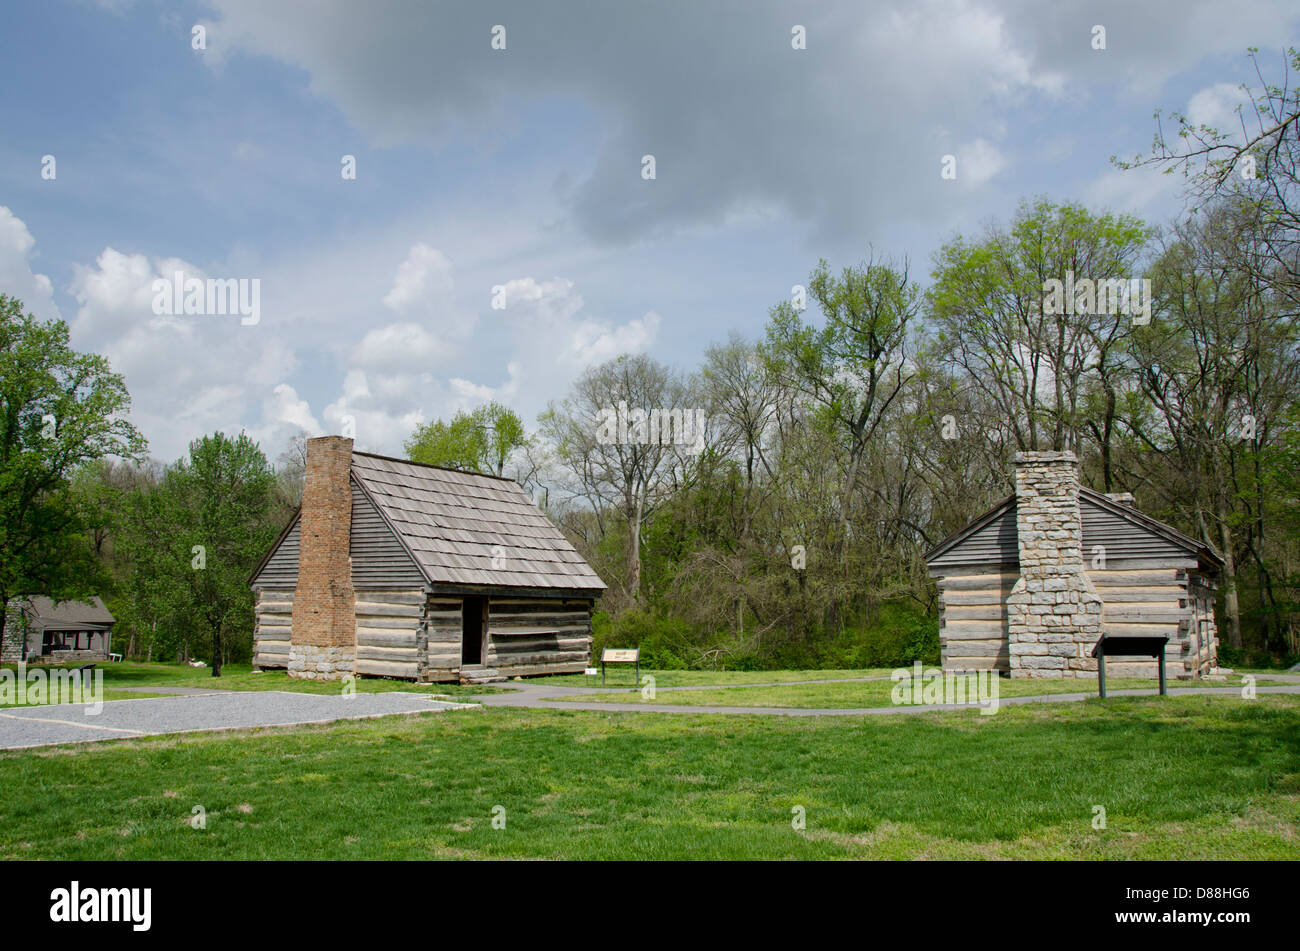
x=473 y=614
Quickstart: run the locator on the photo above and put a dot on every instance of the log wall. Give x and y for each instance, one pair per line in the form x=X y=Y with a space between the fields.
x=1151 y=601
x=389 y=625
x=1169 y=599
x=272 y=615
x=439 y=660
x=973 y=617
x=528 y=636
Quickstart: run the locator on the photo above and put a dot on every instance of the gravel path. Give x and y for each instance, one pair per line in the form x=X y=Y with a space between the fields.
x=22 y=727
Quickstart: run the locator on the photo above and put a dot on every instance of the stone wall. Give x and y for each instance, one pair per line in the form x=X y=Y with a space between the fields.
x=1053 y=612
x=323 y=633
x=11 y=651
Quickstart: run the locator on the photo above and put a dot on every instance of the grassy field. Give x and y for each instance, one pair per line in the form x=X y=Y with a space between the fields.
x=871 y=693
x=242 y=677
x=108 y=696
x=623 y=675
x=1190 y=777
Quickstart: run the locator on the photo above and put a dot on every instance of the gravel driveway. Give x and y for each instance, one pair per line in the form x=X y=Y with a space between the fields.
x=73 y=723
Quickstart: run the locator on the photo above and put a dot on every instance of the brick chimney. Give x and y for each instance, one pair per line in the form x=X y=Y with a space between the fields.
x=1053 y=612
x=323 y=635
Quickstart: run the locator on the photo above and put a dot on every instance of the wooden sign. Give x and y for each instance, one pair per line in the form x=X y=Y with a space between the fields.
x=620 y=655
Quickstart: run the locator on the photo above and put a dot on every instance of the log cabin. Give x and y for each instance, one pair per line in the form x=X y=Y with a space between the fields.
x=40 y=630
x=397 y=569
x=1029 y=587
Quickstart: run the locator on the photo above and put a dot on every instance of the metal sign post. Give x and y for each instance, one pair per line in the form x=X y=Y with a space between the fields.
x=1114 y=645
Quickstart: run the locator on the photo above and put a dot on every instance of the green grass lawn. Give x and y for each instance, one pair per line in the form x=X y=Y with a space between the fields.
x=872 y=693
x=108 y=696
x=242 y=677
x=624 y=675
x=1181 y=778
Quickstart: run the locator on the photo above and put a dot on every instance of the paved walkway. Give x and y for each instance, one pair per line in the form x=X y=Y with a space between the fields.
x=22 y=727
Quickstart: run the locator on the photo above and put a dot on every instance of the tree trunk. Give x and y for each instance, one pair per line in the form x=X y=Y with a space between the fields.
x=1107 y=429
x=634 y=554
x=1230 y=605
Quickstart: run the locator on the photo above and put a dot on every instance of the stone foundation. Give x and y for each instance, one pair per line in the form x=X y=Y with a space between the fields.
x=309 y=662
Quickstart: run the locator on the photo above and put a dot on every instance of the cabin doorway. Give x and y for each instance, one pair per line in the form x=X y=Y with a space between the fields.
x=473 y=623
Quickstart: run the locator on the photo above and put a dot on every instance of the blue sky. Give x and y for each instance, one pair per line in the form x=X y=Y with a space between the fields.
x=522 y=168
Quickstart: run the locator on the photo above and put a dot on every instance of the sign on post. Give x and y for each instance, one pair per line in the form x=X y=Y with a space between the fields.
x=1115 y=645
x=620 y=655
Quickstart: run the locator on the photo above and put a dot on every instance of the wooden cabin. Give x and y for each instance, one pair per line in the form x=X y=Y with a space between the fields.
x=40 y=630
x=1029 y=586
x=396 y=569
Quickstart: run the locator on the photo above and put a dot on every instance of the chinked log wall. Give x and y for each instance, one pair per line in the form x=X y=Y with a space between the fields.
x=1136 y=601
x=439 y=651
x=973 y=618
x=538 y=635
x=273 y=614
x=388 y=632
x=1147 y=601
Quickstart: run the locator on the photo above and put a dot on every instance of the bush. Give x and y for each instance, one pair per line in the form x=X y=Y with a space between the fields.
x=665 y=643
x=1253 y=657
x=897 y=636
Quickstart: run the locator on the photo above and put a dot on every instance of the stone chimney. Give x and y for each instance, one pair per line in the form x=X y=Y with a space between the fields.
x=1053 y=612
x=323 y=635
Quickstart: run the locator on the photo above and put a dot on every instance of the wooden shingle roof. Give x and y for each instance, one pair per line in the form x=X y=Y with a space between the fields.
x=67 y=615
x=464 y=528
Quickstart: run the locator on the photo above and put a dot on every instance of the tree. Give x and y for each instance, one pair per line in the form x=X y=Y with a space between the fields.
x=1218 y=370
x=987 y=305
x=222 y=496
x=1258 y=170
x=479 y=441
x=59 y=409
x=632 y=475
x=854 y=367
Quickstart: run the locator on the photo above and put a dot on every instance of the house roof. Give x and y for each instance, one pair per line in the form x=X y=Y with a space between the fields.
x=67 y=615
x=465 y=528
x=1203 y=552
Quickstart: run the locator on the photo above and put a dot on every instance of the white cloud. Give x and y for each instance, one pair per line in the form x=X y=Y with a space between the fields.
x=1216 y=106
x=396 y=346
x=17 y=278
x=186 y=375
x=423 y=283
x=978 y=162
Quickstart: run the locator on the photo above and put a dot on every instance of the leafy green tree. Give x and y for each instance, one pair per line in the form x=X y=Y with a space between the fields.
x=152 y=602
x=59 y=409
x=987 y=306
x=479 y=441
x=222 y=497
x=626 y=475
x=851 y=370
